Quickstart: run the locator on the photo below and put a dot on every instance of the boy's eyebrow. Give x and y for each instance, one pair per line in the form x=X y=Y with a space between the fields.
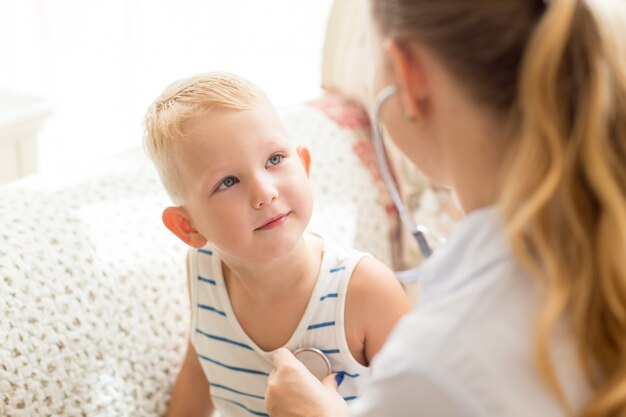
x=268 y=142
x=211 y=175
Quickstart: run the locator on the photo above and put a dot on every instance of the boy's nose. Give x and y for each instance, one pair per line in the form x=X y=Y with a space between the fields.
x=264 y=193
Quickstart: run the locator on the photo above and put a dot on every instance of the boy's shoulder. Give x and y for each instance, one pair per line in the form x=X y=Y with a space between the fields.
x=368 y=272
x=372 y=279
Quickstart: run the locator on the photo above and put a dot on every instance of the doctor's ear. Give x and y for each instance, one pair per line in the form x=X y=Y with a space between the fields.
x=177 y=220
x=305 y=157
x=410 y=77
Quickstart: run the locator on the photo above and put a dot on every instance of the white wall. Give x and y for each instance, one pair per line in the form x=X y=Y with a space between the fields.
x=101 y=63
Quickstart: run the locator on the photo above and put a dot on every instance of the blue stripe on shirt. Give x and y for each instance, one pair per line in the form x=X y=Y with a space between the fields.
x=318 y=325
x=329 y=351
x=205 y=251
x=223 y=339
x=213 y=384
x=331 y=295
x=256 y=413
x=213 y=309
x=207 y=280
x=354 y=397
x=340 y=268
x=233 y=368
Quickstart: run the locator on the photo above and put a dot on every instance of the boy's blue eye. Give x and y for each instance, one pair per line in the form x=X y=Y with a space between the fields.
x=274 y=160
x=227 y=183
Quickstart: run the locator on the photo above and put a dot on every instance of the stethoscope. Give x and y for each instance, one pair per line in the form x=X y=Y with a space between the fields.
x=314 y=359
x=418 y=231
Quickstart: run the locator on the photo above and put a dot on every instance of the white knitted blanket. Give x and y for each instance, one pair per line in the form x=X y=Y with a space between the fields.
x=93 y=295
x=93 y=304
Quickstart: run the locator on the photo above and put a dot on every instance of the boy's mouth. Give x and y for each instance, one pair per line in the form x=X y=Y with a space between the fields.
x=274 y=222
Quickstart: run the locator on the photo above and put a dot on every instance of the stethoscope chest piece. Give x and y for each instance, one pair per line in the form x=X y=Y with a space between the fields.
x=315 y=361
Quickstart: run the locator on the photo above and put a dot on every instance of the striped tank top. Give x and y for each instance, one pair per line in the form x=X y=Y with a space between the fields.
x=236 y=368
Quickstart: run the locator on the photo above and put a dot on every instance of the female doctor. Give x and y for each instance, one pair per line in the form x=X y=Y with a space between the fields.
x=520 y=107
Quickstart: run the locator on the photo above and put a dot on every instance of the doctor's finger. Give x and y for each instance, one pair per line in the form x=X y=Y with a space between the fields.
x=283 y=357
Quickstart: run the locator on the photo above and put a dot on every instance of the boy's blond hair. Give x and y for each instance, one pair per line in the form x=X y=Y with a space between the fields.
x=182 y=101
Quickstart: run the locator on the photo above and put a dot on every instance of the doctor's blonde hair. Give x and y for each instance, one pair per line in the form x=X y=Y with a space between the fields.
x=183 y=101
x=556 y=72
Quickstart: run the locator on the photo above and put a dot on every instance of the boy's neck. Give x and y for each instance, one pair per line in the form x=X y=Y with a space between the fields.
x=273 y=279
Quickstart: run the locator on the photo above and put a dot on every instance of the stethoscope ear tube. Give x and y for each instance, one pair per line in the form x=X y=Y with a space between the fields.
x=381 y=157
x=409 y=276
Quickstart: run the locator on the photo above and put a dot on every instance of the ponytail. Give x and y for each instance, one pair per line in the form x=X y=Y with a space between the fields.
x=564 y=196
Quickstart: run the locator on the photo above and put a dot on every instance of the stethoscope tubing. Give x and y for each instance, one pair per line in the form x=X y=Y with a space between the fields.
x=417 y=231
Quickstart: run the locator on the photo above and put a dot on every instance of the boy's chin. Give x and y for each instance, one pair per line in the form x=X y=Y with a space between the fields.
x=279 y=247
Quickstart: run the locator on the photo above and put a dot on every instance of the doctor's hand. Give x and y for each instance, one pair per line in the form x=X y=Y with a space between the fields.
x=292 y=391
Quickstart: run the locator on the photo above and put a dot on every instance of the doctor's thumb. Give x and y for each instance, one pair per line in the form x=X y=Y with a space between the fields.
x=333 y=380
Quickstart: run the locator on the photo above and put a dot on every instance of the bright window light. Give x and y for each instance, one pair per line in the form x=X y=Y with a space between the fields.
x=100 y=63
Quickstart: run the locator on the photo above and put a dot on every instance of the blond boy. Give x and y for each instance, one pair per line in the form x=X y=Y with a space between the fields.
x=258 y=281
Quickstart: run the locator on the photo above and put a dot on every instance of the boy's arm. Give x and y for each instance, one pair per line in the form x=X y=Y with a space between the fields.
x=375 y=302
x=190 y=397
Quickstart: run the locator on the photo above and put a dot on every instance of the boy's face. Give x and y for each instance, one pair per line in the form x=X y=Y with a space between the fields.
x=246 y=189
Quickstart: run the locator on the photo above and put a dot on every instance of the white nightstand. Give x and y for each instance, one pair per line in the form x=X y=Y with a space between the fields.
x=21 y=118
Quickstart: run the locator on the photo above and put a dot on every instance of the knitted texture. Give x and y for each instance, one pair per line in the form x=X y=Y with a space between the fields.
x=93 y=302
x=93 y=295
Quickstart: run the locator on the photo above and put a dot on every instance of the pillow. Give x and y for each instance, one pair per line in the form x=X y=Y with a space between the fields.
x=347 y=54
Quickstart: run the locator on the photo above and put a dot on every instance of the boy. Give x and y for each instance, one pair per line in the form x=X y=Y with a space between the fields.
x=257 y=280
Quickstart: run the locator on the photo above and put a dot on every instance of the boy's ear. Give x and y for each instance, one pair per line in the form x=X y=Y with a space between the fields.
x=409 y=76
x=177 y=220
x=305 y=157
